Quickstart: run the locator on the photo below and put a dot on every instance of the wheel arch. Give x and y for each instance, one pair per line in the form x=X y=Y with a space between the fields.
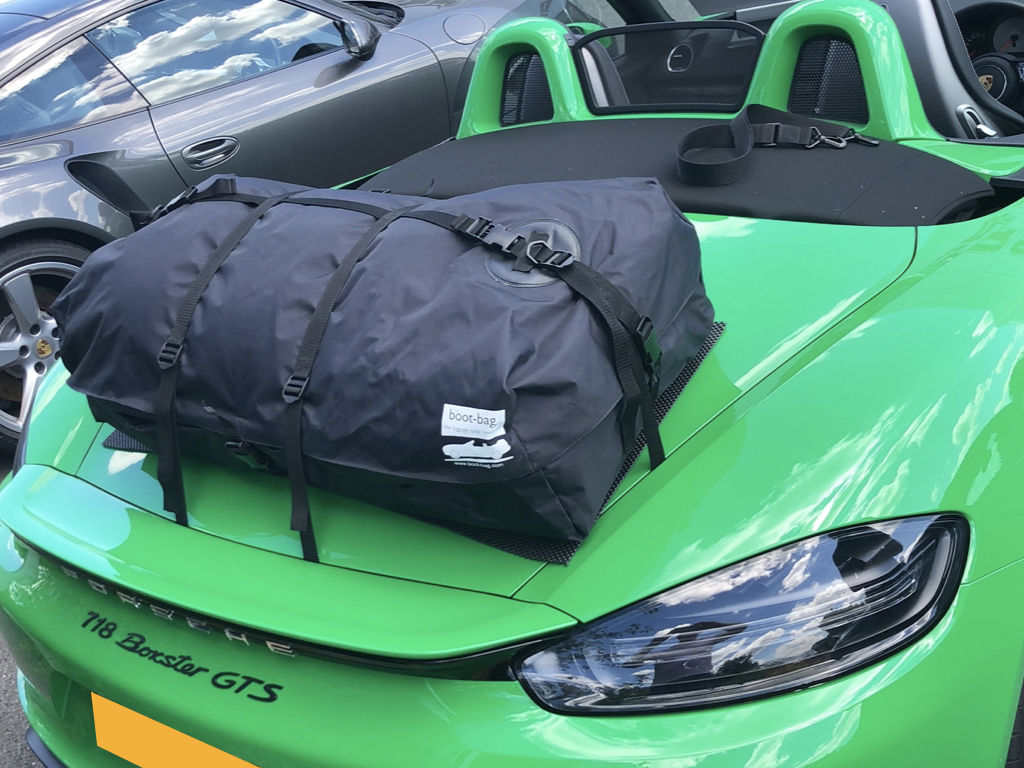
x=75 y=232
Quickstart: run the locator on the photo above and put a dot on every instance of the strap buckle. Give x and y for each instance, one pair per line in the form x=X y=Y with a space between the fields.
x=852 y=135
x=543 y=256
x=169 y=354
x=477 y=227
x=490 y=234
x=294 y=388
x=652 y=361
x=818 y=138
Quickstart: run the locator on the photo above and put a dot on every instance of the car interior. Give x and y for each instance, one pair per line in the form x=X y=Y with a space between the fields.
x=818 y=65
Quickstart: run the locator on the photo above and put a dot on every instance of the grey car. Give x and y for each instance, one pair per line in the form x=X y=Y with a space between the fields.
x=109 y=107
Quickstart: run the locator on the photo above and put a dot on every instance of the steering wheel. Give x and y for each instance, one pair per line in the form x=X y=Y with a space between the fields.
x=1000 y=75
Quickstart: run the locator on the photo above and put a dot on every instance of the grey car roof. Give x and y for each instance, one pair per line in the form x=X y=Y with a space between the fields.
x=43 y=9
x=13 y=23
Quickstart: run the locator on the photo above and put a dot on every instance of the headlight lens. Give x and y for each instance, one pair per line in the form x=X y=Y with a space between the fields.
x=784 y=620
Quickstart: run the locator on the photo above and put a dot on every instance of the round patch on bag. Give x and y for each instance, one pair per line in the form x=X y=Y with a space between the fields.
x=553 y=234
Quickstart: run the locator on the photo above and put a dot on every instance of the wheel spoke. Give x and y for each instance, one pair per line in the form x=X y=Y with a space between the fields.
x=10 y=354
x=21 y=296
x=28 y=392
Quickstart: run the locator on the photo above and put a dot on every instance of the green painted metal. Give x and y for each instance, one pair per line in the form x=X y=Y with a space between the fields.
x=986 y=160
x=865 y=373
x=895 y=109
x=251 y=587
x=909 y=405
x=254 y=509
x=907 y=711
x=65 y=429
x=544 y=36
x=894 y=105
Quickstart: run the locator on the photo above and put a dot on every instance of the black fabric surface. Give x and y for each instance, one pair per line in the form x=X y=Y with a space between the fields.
x=530 y=547
x=433 y=335
x=888 y=185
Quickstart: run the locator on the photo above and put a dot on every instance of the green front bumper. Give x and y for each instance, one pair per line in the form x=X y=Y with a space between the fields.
x=946 y=701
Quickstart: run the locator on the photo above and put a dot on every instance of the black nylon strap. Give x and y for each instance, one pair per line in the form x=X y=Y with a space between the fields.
x=319 y=202
x=225 y=190
x=717 y=155
x=621 y=319
x=168 y=452
x=597 y=291
x=295 y=388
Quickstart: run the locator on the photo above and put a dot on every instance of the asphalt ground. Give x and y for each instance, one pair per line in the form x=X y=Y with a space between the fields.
x=14 y=752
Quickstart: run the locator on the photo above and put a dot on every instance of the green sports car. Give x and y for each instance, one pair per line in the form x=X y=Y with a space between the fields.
x=824 y=570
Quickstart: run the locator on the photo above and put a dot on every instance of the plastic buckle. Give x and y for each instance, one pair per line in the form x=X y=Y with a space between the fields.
x=169 y=354
x=852 y=135
x=540 y=254
x=652 y=349
x=478 y=227
x=818 y=138
x=294 y=388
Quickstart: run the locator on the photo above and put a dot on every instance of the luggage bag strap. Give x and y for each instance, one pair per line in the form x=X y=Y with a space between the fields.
x=737 y=138
x=295 y=388
x=169 y=356
x=636 y=353
x=637 y=356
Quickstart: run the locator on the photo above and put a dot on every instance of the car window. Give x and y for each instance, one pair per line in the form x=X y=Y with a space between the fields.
x=179 y=47
x=71 y=87
x=599 y=11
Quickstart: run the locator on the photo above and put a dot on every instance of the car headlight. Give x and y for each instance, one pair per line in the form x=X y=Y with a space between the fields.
x=792 y=617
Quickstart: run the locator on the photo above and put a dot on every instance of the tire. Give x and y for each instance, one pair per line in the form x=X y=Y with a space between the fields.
x=32 y=273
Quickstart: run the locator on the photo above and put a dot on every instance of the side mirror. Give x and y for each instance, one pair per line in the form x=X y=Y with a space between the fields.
x=359 y=37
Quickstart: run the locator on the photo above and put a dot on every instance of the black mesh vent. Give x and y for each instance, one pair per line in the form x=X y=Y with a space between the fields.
x=828 y=83
x=525 y=96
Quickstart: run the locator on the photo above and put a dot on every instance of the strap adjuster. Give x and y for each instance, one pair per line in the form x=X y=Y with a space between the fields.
x=652 y=351
x=294 y=388
x=169 y=354
x=490 y=234
x=540 y=254
x=478 y=227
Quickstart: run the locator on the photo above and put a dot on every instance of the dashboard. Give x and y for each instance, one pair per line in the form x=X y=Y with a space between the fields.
x=994 y=36
x=994 y=33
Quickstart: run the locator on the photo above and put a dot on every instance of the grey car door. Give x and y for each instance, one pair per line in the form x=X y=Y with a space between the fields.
x=76 y=144
x=265 y=88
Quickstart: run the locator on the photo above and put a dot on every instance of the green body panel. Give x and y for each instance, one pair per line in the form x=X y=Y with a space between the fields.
x=543 y=36
x=918 y=709
x=864 y=374
x=770 y=318
x=66 y=429
x=895 y=111
x=909 y=405
x=986 y=160
x=254 y=508
x=894 y=105
x=258 y=589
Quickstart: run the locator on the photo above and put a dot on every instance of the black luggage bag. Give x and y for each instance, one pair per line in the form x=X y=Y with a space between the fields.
x=487 y=360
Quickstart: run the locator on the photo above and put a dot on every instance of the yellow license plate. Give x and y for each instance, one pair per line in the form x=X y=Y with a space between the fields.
x=149 y=744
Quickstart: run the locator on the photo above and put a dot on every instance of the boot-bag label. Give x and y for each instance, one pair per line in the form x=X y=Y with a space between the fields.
x=476 y=423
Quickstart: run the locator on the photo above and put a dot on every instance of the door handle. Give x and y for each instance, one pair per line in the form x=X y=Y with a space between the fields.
x=209 y=152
